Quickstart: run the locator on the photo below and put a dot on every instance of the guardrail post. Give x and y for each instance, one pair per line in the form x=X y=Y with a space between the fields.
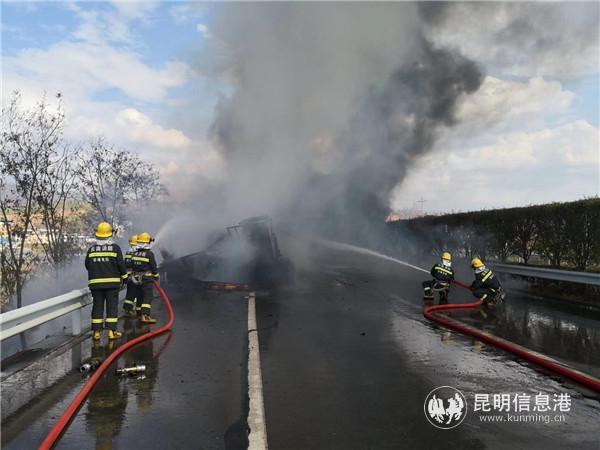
x=22 y=341
x=76 y=321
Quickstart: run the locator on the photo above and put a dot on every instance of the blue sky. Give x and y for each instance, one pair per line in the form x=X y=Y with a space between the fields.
x=162 y=34
x=134 y=72
x=126 y=71
x=587 y=100
x=166 y=32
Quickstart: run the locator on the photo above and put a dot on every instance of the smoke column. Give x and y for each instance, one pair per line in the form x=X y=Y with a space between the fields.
x=331 y=104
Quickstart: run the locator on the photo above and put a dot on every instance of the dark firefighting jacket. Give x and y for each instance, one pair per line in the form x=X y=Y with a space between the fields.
x=143 y=262
x=442 y=273
x=128 y=261
x=486 y=279
x=105 y=265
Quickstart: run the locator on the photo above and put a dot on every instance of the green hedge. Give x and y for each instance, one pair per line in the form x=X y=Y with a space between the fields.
x=563 y=235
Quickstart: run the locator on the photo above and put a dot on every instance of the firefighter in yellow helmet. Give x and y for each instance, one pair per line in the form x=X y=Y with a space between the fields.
x=486 y=285
x=106 y=271
x=129 y=304
x=442 y=274
x=144 y=270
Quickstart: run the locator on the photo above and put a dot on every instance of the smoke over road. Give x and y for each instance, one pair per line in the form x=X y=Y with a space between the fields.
x=332 y=103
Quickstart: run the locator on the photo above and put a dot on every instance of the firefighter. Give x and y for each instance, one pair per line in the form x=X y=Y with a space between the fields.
x=106 y=272
x=486 y=285
x=144 y=271
x=443 y=276
x=129 y=304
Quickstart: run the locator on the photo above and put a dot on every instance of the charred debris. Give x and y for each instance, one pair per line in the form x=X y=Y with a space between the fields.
x=243 y=257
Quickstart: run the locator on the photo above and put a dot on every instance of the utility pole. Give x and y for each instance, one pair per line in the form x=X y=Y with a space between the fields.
x=422 y=201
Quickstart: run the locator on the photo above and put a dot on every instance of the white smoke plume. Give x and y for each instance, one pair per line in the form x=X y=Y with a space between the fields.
x=331 y=104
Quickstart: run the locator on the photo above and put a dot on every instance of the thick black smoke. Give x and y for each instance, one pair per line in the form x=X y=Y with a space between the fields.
x=558 y=39
x=393 y=124
x=333 y=102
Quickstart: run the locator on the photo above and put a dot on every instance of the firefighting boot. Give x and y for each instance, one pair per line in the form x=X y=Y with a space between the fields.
x=112 y=335
x=131 y=314
x=97 y=335
x=147 y=319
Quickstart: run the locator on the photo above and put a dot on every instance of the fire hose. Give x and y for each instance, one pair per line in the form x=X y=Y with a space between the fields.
x=63 y=423
x=529 y=355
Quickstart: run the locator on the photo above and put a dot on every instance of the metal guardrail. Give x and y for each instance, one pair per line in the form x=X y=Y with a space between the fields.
x=549 y=274
x=27 y=317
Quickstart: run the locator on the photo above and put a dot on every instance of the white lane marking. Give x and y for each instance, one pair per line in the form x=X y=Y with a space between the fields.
x=343 y=246
x=257 y=438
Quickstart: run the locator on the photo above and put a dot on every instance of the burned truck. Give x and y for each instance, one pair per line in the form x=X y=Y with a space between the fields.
x=244 y=254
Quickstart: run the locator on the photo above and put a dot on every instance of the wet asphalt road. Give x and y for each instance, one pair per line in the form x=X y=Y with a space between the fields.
x=193 y=396
x=347 y=361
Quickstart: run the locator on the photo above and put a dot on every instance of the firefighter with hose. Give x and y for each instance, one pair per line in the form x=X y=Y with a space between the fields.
x=106 y=273
x=443 y=275
x=143 y=271
x=129 y=304
x=486 y=285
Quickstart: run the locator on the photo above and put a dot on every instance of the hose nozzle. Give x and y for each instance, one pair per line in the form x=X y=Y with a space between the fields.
x=90 y=366
x=133 y=370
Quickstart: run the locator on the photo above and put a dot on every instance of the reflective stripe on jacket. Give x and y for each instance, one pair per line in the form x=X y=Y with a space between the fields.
x=441 y=273
x=143 y=261
x=105 y=266
x=486 y=279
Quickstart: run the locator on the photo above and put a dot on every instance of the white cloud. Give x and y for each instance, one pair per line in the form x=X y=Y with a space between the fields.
x=520 y=168
x=185 y=12
x=140 y=129
x=111 y=25
x=85 y=68
x=508 y=104
x=135 y=9
x=97 y=31
x=203 y=30
x=516 y=143
x=109 y=90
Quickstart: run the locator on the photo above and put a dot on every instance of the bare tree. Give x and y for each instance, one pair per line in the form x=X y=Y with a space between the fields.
x=583 y=232
x=28 y=140
x=526 y=232
x=553 y=236
x=112 y=179
x=54 y=196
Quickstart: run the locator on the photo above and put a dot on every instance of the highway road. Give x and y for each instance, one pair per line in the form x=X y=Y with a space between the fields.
x=347 y=362
x=194 y=394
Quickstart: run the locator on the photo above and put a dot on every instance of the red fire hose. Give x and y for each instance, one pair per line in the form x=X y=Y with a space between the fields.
x=534 y=357
x=63 y=423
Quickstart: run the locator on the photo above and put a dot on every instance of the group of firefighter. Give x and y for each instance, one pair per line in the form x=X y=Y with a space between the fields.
x=109 y=271
x=485 y=287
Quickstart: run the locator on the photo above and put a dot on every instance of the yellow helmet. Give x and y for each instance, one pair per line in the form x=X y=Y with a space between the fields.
x=104 y=230
x=133 y=239
x=476 y=263
x=447 y=256
x=144 y=238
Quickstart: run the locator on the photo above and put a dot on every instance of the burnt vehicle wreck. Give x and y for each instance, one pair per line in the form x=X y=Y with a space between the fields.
x=246 y=255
